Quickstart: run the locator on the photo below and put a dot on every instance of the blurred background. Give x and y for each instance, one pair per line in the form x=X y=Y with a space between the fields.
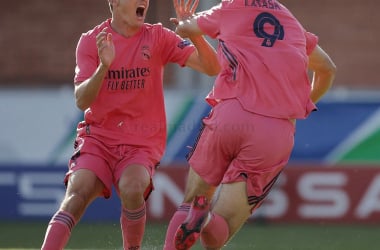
x=333 y=175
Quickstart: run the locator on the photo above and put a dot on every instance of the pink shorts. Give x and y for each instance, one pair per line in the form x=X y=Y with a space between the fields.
x=108 y=162
x=235 y=145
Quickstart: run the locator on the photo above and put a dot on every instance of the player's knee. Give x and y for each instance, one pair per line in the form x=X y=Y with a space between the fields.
x=132 y=191
x=75 y=203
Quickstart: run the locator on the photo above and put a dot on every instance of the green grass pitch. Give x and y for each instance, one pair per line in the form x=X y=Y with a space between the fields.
x=256 y=236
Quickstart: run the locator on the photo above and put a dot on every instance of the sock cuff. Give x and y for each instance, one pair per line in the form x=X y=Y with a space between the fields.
x=184 y=207
x=65 y=218
x=135 y=214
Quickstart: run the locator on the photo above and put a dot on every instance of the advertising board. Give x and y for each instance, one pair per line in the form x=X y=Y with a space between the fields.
x=343 y=194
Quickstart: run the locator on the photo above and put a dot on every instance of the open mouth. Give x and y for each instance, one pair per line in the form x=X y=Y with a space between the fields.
x=140 y=11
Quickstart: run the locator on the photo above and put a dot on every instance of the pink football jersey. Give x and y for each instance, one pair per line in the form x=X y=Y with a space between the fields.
x=129 y=108
x=263 y=51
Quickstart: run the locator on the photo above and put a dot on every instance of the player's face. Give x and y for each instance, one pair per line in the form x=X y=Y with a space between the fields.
x=132 y=12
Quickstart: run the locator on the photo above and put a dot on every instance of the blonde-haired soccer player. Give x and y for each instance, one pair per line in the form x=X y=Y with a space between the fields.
x=119 y=86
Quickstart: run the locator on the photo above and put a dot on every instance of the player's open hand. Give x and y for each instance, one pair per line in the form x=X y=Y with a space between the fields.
x=184 y=9
x=106 y=47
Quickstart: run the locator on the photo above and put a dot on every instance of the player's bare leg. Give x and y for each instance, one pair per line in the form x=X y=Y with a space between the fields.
x=195 y=185
x=229 y=213
x=82 y=188
x=132 y=186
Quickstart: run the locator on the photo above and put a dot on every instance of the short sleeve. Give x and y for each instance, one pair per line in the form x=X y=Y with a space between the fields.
x=311 y=42
x=174 y=49
x=209 y=21
x=86 y=58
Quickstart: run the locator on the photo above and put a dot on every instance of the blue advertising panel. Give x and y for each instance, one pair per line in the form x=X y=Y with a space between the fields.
x=35 y=192
x=327 y=136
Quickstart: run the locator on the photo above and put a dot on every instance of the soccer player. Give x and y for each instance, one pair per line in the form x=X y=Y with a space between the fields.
x=119 y=86
x=247 y=138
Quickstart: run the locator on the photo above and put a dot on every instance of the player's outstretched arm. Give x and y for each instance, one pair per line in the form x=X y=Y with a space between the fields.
x=204 y=59
x=324 y=71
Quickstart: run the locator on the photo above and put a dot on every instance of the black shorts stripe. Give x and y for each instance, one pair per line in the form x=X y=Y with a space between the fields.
x=253 y=200
x=188 y=155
